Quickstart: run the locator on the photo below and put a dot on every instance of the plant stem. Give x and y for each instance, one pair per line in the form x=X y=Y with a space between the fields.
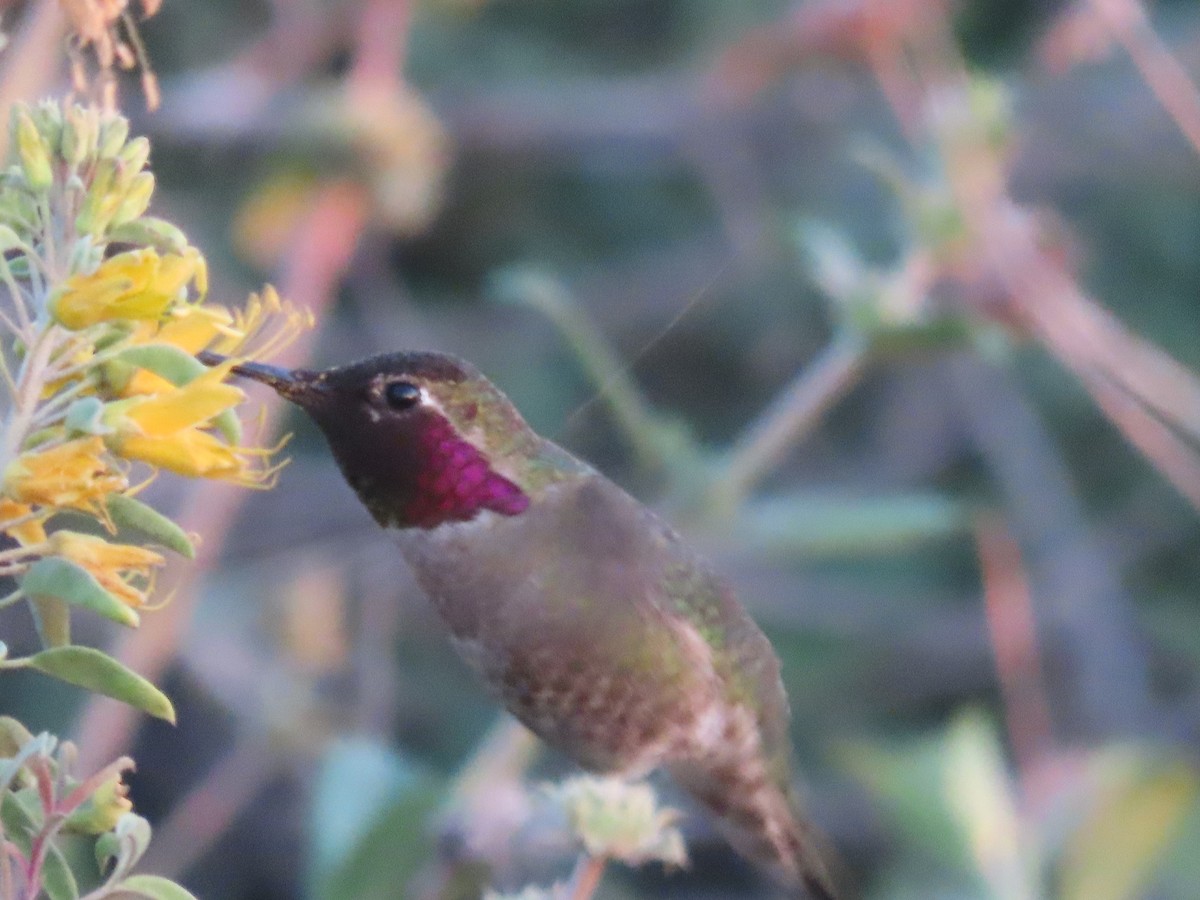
x=29 y=388
x=585 y=880
x=790 y=416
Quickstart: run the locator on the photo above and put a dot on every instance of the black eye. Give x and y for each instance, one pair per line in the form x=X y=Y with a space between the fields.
x=402 y=395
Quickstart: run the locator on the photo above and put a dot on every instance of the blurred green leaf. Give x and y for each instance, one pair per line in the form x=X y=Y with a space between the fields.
x=86 y=416
x=13 y=737
x=150 y=887
x=58 y=881
x=52 y=618
x=398 y=843
x=18 y=817
x=805 y=524
x=96 y=671
x=357 y=780
x=907 y=780
x=982 y=797
x=1113 y=854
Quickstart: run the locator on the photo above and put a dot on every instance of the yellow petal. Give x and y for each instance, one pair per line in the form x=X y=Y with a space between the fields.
x=112 y=565
x=193 y=328
x=27 y=533
x=96 y=554
x=187 y=452
x=193 y=404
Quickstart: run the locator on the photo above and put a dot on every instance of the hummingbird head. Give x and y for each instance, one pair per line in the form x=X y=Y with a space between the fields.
x=423 y=438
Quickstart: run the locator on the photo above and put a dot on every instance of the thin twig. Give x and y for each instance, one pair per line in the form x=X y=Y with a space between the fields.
x=1164 y=75
x=790 y=416
x=614 y=385
x=585 y=880
x=1008 y=605
x=199 y=819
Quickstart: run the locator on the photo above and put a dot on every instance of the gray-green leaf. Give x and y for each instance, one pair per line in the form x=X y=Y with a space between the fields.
x=131 y=513
x=86 y=416
x=58 y=881
x=165 y=360
x=52 y=617
x=151 y=887
x=96 y=671
x=63 y=579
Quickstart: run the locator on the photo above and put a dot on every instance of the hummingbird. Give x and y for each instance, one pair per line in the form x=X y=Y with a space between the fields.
x=584 y=613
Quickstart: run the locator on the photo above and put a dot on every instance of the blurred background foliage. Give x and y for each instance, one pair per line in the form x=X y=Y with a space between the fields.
x=666 y=227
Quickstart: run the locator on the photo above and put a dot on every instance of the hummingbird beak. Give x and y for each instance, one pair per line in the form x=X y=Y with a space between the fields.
x=301 y=386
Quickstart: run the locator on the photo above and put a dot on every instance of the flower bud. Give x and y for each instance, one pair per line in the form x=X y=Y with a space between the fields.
x=79 y=135
x=100 y=812
x=135 y=154
x=32 y=150
x=113 y=135
x=137 y=199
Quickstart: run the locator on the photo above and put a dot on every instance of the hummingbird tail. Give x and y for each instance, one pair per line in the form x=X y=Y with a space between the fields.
x=760 y=819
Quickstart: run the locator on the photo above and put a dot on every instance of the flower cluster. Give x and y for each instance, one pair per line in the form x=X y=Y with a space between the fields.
x=106 y=312
x=42 y=799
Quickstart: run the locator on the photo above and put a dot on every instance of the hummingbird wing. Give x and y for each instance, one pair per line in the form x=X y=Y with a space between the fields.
x=739 y=762
x=602 y=631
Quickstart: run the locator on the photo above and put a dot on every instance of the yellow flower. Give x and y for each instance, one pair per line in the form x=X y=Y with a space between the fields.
x=29 y=531
x=165 y=430
x=72 y=475
x=266 y=325
x=112 y=565
x=137 y=285
x=192 y=404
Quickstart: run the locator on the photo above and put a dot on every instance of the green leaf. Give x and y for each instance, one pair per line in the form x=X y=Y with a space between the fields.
x=52 y=616
x=165 y=360
x=160 y=234
x=981 y=796
x=58 y=881
x=1138 y=813
x=19 y=826
x=391 y=852
x=91 y=669
x=820 y=525
x=107 y=849
x=9 y=768
x=152 y=887
x=60 y=578
x=357 y=779
x=229 y=425
x=86 y=416
x=135 y=515
x=133 y=833
x=13 y=736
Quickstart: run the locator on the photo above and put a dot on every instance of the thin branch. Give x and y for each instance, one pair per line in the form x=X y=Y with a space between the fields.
x=790 y=416
x=198 y=820
x=1164 y=75
x=1008 y=605
x=611 y=375
x=585 y=880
